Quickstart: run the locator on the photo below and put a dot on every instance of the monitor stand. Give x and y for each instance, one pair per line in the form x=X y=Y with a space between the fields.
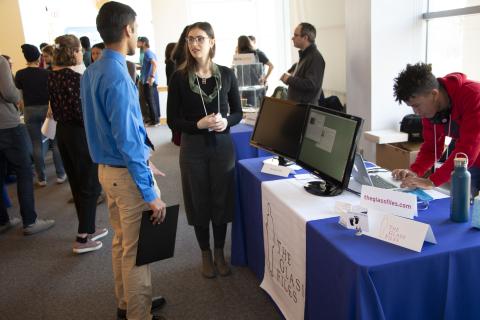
x=284 y=162
x=322 y=188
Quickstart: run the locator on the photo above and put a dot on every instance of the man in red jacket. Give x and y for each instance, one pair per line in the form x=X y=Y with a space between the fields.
x=449 y=106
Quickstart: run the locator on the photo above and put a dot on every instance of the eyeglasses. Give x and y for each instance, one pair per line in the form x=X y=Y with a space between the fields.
x=200 y=39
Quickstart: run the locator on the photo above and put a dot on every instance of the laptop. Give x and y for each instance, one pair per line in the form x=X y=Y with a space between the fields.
x=360 y=174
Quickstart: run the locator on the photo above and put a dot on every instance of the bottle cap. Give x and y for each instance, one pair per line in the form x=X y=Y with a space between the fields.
x=461 y=160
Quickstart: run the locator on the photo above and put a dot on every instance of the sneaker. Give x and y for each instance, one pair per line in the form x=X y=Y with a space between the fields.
x=87 y=246
x=62 y=179
x=39 y=226
x=9 y=225
x=98 y=234
x=42 y=183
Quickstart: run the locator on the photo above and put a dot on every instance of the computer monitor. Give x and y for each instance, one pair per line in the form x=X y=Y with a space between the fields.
x=279 y=127
x=328 y=149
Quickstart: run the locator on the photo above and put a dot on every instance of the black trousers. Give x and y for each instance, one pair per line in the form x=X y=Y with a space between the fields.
x=152 y=102
x=207 y=167
x=14 y=152
x=82 y=173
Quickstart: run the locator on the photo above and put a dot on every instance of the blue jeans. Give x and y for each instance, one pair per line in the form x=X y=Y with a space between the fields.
x=34 y=117
x=14 y=151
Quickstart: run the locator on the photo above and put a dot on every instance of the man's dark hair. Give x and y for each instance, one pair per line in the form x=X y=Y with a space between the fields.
x=85 y=42
x=112 y=18
x=414 y=80
x=145 y=41
x=309 y=31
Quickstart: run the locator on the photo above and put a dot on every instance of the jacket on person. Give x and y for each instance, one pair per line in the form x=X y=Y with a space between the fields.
x=464 y=97
x=305 y=83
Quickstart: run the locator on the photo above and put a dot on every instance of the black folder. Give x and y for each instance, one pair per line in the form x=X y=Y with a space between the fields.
x=157 y=242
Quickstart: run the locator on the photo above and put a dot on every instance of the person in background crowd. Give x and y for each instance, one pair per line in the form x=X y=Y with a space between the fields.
x=244 y=45
x=169 y=70
x=97 y=51
x=305 y=78
x=178 y=54
x=42 y=64
x=449 y=107
x=87 y=51
x=119 y=143
x=9 y=60
x=149 y=80
x=14 y=152
x=169 y=64
x=178 y=57
x=47 y=54
x=64 y=96
x=32 y=81
x=203 y=103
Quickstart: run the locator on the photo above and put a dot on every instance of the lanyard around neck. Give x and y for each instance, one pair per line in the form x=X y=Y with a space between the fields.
x=435 y=137
x=201 y=95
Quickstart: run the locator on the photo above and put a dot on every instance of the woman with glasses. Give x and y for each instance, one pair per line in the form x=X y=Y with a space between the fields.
x=203 y=103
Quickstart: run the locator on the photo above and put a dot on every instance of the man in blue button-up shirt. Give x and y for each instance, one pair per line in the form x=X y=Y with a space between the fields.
x=118 y=142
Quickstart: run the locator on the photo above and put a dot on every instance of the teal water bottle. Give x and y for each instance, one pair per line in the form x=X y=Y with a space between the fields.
x=460 y=189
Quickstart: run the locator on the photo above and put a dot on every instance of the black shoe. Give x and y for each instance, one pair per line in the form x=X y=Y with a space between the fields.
x=157 y=303
x=121 y=314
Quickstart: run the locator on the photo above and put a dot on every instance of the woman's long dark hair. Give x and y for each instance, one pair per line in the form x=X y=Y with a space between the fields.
x=190 y=62
x=244 y=45
x=178 y=53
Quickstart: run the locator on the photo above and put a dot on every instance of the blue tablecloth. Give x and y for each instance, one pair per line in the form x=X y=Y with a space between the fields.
x=351 y=277
x=241 y=135
x=363 y=278
x=247 y=243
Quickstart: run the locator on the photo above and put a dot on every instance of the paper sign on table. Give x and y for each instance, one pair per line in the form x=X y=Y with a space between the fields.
x=402 y=232
x=276 y=170
x=394 y=202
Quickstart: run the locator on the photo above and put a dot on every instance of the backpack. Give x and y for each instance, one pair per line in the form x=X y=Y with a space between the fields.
x=412 y=124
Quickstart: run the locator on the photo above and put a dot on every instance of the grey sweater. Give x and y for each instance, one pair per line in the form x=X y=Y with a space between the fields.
x=9 y=95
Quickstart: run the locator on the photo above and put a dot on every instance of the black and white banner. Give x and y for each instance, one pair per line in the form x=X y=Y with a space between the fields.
x=286 y=208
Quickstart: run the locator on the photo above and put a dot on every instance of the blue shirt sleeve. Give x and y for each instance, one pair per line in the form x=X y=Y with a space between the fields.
x=129 y=137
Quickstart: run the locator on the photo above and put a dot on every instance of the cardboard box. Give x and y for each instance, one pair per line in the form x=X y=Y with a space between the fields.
x=397 y=155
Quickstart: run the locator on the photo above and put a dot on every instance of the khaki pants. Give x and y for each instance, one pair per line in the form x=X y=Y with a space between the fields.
x=133 y=287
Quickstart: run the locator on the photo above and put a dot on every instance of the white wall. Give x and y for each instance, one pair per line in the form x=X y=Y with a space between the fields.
x=11 y=33
x=328 y=17
x=382 y=37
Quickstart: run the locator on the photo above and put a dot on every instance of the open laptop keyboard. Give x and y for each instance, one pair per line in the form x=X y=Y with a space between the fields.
x=379 y=182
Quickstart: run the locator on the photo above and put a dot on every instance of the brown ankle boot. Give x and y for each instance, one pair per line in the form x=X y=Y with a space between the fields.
x=222 y=266
x=208 y=270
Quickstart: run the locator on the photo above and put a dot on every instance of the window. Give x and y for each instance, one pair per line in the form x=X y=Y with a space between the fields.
x=452 y=32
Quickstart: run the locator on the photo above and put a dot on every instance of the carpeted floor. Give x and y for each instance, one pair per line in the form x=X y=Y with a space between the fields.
x=40 y=277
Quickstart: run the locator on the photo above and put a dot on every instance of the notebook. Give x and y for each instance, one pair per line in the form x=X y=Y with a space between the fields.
x=157 y=242
x=361 y=175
